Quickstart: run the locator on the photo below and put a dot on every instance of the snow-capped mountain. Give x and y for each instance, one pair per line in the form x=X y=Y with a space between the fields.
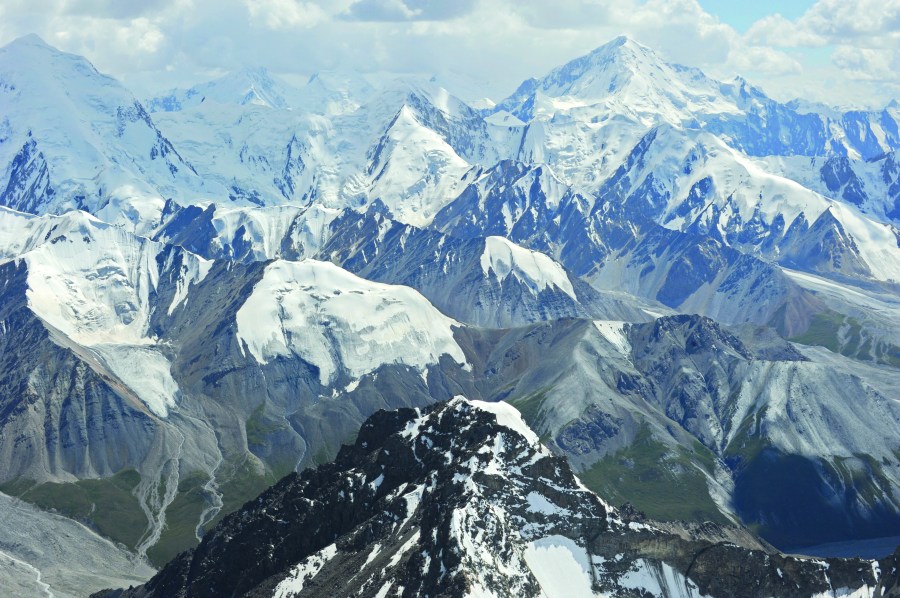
x=161 y=341
x=104 y=328
x=339 y=323
x=683 y=270
x=872 y=185
x=626 y=83
x=73 y=138
x=199 y=298
x=678 y=147
x=695 y=181
x=97 y=286
x=625 y=78
x=248 y=85
x=409 y=146
x=415 y=147
x=462 y=500
x=332 y=93
x=488 y=282
x=247 y=234
x=509 y=286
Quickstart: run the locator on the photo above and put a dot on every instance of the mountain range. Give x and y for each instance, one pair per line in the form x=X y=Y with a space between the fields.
x=462 y=500
x=691 y=292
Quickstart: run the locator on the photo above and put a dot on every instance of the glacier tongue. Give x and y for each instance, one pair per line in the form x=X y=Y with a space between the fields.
x=95 y=284
x=145 y=370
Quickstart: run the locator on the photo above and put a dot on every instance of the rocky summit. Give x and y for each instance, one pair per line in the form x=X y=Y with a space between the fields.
x=462 y=499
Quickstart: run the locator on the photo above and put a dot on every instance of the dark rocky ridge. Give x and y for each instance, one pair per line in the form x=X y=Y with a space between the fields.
x=449 y=501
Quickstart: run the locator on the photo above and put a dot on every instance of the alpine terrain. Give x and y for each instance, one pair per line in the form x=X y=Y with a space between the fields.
x=462 y=499
x=689 y=291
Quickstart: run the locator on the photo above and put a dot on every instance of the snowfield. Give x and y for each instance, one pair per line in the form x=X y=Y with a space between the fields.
x=339 y=322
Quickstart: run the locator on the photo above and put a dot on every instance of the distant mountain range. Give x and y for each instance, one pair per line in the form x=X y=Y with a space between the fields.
x=690 y=291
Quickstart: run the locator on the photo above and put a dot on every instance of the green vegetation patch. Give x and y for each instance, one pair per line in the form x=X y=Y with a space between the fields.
x=824 y=331
x=845 y=335
x=259 y=427
x=182 y=517
x=747 y=443
x=530 y=406
x=238 y=480
x=664 y=484
x=323 y=456
x=106 y=505
x=865 y=476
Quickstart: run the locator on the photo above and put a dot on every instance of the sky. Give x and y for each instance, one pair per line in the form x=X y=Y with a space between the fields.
x=841 y=52
x=741 y=15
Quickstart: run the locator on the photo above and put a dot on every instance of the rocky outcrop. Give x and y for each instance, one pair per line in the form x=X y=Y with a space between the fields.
x=61 y=415
x=462 y=499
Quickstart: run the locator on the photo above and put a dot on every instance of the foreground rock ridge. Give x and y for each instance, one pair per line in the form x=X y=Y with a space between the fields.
x=461 y=499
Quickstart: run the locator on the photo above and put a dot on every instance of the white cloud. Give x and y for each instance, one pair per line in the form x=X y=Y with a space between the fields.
x=862 y=22
x=867 y=64
x=115 y=9
x=500 y=42
x=285 y=14
x=845 y=19
x=775 y=30
x=862 y=38
x=762 y=59
x=407 y=10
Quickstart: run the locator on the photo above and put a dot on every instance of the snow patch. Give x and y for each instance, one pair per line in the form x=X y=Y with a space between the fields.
x=659 y=579
x=304 y=571
x=560 y=566
x=539 y=504
x=376 y=549
x=339 y=322
x=614 y=332
x=508 y=417
x=403 y=550
x=534 y=269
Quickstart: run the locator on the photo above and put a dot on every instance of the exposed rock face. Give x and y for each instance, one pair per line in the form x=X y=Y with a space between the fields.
x=59 y=416
x=461 y=499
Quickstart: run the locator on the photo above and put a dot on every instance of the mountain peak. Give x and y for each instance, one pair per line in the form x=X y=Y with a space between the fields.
x=609 y=70
x=462 y=499
x=620 y=44
x=30 y=52
x=622 y=77
x=625 y=51
x=30 y=40
x=249 y=73
x=34 y=58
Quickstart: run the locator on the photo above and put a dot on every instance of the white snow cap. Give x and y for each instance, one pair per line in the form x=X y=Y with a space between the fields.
x=507 y=416
x=336 y=320
x=534 y=269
